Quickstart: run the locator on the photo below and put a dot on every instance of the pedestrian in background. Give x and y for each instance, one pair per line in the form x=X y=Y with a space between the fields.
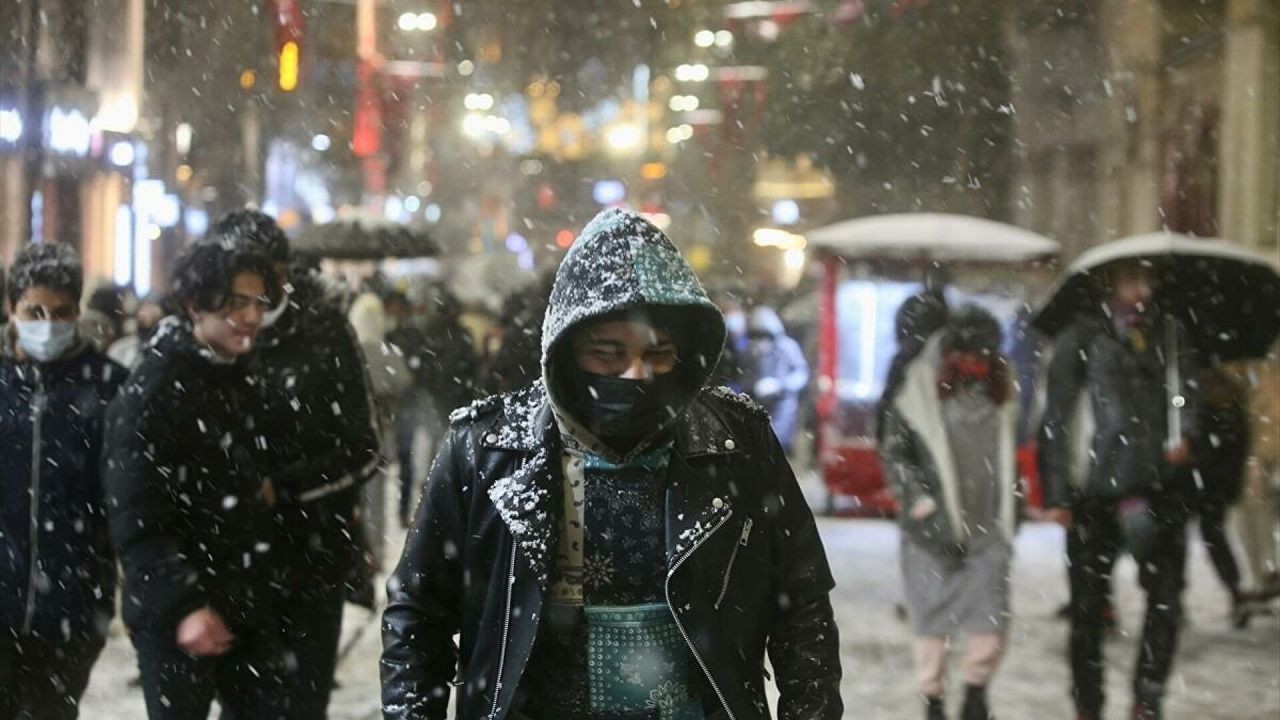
x=191 y=498
x=1127 y=495
x=1215 y=476
x=57 y=570
x=776 y=372
x=948 y=446
x=324 y=448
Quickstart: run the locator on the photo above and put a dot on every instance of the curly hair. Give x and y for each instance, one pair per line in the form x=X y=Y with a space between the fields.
x=257 y=228
x=52 y=265
x=203 y=274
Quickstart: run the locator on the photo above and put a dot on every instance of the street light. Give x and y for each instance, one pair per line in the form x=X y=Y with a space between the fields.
x=121 y=154
x=704 y=38
x=692 y=73
x=320 y=142
x=10 y=125
x=624 y=137
x=723 y=39
x=478 y=101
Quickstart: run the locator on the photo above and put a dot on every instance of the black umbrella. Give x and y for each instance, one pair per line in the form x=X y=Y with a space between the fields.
x=1226 y=295
x=364 y=239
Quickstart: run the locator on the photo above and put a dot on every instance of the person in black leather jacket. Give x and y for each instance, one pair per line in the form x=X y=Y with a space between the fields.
x=646 y=531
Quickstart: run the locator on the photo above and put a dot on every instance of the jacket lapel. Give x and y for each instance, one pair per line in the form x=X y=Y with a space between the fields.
x=529 y=499
x=698 y=494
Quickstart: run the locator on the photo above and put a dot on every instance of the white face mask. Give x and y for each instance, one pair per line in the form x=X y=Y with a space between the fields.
x=272 y=316
x=46 y=340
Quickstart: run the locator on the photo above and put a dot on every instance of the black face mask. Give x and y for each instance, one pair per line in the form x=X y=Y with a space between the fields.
x=621 y=411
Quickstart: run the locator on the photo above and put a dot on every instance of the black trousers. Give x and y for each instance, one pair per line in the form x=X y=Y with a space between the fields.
x=311 y=626
x=1092 y=546
x=1213 y=530
x=43 y=679
x=249 y=680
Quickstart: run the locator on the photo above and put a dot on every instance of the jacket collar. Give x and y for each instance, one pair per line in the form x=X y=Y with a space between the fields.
x=529 y=500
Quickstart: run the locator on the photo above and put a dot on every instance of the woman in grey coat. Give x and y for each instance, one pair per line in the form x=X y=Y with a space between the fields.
x=949 y=451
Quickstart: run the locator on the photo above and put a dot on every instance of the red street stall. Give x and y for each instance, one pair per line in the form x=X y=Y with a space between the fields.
x=869 y=267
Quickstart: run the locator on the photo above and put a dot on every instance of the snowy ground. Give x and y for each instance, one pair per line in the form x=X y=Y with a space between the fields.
x=1223 y=674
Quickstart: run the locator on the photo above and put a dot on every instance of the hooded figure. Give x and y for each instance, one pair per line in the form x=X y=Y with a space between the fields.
x=776 y=371
x=948 y=446
x=646 y=531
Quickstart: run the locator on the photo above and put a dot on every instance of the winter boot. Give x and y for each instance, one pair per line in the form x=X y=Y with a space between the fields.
x=975 y=704
x=934 y=708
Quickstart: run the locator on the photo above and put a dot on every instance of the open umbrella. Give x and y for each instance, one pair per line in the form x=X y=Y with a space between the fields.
x=1227 y=296
x=935 y=236
x=362 y=238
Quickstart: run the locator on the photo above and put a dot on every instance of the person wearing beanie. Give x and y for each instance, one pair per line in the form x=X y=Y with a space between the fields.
x=57 y=570
x=616 y=539
x=948 y=447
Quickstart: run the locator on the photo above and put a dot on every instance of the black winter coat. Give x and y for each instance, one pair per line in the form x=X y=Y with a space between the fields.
x=321 y=433
x=477 y=560
x=1124 y=384
x=186 y=457
x=57 y=571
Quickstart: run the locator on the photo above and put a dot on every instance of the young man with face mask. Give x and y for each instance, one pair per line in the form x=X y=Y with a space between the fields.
x=191 y=499
x=615 y=540
x=325 y=444
x=57 y=572
x=1107 y=465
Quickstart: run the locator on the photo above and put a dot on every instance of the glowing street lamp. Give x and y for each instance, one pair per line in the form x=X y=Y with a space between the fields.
x=624 y=138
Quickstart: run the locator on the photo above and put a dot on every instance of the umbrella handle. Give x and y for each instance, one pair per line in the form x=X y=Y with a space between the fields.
x=1173 y=385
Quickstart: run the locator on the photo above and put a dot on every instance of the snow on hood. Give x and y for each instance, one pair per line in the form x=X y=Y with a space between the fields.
x=623 y=262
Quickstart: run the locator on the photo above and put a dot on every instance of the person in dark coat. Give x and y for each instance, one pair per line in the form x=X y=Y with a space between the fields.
x=57 y=571
x=647 y=532
x=1108 y=469
x=324 y=445
x=949 y=446
x=1215 y=477
x=190 y=497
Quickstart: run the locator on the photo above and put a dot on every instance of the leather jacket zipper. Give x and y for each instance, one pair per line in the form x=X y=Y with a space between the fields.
x=728 y=571
x=506 y=632
x=679 y=626
x=37 y=415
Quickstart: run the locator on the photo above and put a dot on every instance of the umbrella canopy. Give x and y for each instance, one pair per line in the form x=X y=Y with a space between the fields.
x=1227 y=295
x=936 y=236
x=364 y=239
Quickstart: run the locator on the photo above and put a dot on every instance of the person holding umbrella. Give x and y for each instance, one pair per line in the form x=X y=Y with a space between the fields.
x=1120 y=415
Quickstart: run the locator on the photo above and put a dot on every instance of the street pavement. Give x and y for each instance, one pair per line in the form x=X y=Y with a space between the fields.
x=1221 y=673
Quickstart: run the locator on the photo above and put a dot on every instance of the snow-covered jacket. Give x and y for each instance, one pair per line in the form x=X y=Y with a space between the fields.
x=780 y=363
x=323 y=435
x=57 y=571
x=187 y=451
x=1124 y=384
x=746 y=572
x=916 y=452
